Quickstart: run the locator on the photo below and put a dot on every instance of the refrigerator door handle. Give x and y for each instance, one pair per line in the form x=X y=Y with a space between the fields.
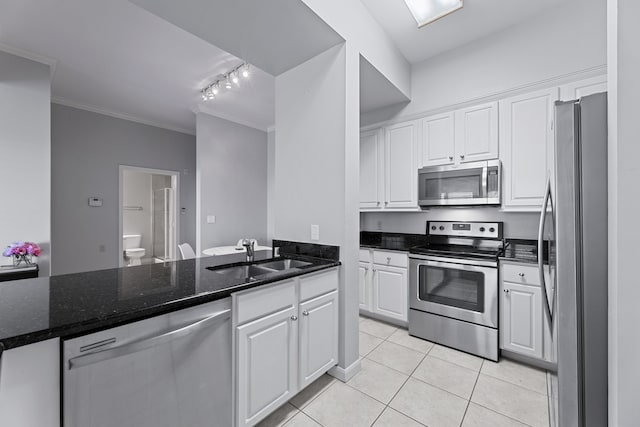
x=543 y=215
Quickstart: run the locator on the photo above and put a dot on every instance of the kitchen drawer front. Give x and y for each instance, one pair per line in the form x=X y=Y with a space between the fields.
x=396 y=259
x=524 y=274
x=316 y=284
x=253 y=304
x=365 y=255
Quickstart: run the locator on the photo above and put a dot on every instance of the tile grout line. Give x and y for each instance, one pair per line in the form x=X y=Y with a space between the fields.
x=471 y=395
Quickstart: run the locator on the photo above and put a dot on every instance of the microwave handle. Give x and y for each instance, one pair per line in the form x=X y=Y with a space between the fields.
x=485 y=193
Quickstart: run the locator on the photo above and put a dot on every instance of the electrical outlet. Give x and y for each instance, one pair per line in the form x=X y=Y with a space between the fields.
x=211 y=219
x=315 y=232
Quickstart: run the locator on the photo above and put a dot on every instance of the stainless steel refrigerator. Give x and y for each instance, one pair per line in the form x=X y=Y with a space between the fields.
x=574 y=224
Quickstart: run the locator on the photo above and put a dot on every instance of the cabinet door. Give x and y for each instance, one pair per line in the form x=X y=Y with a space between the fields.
x=401 y=172
x=526 y=139
x=318 y=337
x=437 y=140
x=576 y=90
x=521 y=322
x=390 y=292
x=371 y=175
x=364 y=286
x=267 y=351
x=477 y=133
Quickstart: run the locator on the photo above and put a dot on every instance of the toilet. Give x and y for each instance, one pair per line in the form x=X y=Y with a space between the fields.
x=132 y=250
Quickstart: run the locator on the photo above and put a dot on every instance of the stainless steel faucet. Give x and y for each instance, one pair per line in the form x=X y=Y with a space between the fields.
x=248 y=244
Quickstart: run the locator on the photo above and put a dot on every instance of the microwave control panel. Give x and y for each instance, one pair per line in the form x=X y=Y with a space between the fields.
x=487 y=230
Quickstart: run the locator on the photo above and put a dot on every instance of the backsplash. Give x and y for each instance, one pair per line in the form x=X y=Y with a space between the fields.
x=522 y=225
x=315 y=250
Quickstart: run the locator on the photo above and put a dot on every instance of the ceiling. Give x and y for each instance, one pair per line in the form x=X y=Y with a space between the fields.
x=116 y=58
x=478 y=18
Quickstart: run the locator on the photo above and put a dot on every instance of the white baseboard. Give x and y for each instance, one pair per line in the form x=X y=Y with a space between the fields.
x=345 y=374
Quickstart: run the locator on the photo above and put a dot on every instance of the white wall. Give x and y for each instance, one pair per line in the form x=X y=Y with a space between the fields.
x=136 y=192
x=553 y=45
x=231 y=182
x=271 y=173
x=87 y=149
x=316 y=173
x=624 y=205
x=25 y=155
x=352 y=20
x=516 y=225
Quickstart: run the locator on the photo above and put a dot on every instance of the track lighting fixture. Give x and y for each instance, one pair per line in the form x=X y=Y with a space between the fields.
x=210 y=91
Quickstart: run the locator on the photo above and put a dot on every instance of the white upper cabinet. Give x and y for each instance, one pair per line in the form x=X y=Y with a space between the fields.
x=476 y=133
x=437 y=143
x=371 y=169
x=466 y=135
x=401 y=171
x=576 y=90
x=526 y=148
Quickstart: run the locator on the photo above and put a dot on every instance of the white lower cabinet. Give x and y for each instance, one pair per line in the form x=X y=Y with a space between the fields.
x=286 y=336
x=522 y=324
x=30 y=385
x=383 y=284
x=267 y=350
x=390 y=292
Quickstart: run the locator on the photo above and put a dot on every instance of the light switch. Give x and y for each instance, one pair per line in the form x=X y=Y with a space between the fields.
x=211 y=219
x=315 y=232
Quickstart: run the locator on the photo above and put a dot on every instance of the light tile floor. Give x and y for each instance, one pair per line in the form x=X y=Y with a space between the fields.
x=410 y=382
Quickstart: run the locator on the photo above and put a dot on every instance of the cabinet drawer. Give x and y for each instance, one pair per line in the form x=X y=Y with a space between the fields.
x=257 y=303
x=397 y=259
x=314 y=285
x=365 y=255
x=524 y=274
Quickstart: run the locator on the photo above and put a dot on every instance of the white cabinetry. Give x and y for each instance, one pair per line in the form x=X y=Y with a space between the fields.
x=388 y=168
x=286 y=337
x=30 y=385
x=576 y=90
x=384 y=285
x=526 y=147
x=466 y=135
x=522 y=319
x=371 y=175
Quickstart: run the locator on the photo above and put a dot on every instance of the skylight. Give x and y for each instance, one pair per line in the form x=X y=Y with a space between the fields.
x=427 y=11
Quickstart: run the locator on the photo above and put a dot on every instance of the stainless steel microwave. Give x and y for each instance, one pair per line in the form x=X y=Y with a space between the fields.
x=476 y=183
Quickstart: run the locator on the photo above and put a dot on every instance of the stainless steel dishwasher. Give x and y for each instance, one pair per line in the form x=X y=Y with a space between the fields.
x=172 y=370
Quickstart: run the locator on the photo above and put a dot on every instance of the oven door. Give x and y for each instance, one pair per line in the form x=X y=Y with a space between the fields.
x=454 y=288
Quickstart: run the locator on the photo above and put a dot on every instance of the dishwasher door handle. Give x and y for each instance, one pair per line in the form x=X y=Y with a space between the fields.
x=145 y=343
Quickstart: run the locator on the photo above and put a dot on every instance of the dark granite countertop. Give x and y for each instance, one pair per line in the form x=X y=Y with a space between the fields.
x=524 y=250
x=391 y=241
x=33 y=310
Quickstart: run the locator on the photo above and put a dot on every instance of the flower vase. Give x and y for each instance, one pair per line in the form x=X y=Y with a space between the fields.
x=23 y=260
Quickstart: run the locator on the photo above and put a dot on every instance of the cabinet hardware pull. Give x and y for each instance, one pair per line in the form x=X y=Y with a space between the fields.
x=388 y=259
x=305 y=313
x=521 y=274
x=294 y=317
x=461 y=156
x=450 y=158
x=506 y=291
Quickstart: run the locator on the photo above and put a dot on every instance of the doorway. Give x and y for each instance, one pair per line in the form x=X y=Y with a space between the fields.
x=148 y=212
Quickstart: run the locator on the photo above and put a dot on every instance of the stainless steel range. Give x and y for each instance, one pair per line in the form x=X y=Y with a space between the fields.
x=453 y=286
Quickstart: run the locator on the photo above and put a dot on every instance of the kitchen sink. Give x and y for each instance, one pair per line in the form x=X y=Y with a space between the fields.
x=244 y=271
x=285 y=264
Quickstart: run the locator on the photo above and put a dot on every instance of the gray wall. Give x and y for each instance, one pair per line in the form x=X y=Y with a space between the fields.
x=231 y=183
x=87 y=149
x=516 y=225
x=25 y=155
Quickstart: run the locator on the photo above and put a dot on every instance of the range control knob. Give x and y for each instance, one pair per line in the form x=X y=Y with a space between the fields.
x=442 y=228
x=482 y=229
x=492 y=229
x=433 y=227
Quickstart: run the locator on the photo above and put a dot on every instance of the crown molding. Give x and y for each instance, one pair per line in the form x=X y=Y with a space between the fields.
x=117 y=115
x=46 y=60
x=230 y=117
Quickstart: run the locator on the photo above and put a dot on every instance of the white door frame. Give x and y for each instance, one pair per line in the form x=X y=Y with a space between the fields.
x=175 y=183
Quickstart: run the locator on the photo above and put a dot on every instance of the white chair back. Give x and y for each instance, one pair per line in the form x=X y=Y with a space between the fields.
x=186 y=251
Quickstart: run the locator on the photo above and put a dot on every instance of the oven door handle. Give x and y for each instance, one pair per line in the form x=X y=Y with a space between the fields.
x=452 y=266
